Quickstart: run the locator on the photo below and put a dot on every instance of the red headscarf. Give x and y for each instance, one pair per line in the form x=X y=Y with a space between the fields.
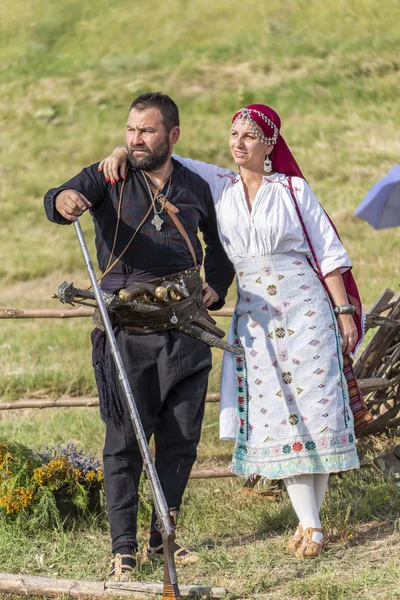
x=284 y=162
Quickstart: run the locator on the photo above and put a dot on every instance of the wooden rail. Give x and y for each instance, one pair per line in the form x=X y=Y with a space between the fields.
x=67 y=402
x=67 y=313
x=366 y=386
x=25 y=585
x=372 y=319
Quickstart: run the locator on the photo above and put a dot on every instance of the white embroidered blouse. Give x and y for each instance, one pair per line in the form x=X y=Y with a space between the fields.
x=273 y=225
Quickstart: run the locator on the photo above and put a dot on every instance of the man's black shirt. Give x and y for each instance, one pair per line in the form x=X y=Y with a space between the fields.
x=152 y=253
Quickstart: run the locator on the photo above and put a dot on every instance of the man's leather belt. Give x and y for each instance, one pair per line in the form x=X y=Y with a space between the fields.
x=167 y=303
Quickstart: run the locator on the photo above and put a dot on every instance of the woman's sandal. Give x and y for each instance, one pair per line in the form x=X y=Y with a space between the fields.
x=309 y=548
x=181 y=554
x=296 y=539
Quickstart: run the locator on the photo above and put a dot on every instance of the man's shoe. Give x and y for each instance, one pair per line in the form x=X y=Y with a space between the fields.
x=123 y=567
x=181 y=554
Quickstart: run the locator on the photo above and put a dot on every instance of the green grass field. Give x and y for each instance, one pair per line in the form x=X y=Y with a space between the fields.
x=69 y=71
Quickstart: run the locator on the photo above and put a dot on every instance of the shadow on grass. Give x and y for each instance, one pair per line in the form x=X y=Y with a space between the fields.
x=372 y=532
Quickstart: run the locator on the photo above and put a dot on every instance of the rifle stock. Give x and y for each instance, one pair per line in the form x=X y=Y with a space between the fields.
x=170 y=590
x=166 y=526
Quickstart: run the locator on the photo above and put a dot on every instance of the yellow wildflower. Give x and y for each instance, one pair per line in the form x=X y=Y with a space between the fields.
x=91 y=476
x=5 y=458
x=16 y=500
x=57 y=471
x=77 y=474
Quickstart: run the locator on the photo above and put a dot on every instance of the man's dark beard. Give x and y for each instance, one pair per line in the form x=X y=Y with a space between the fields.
x=151 y=161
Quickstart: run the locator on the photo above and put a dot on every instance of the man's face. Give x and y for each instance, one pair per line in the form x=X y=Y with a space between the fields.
x=149 y=145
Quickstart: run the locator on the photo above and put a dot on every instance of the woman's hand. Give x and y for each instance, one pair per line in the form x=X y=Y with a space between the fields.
x=209 y=295
x=347 y=326
x=115 y=165
x=348 y=331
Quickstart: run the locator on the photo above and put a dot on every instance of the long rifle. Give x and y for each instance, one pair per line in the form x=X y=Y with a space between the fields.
x=165 y=525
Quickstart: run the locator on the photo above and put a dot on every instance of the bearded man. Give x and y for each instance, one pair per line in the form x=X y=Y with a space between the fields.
x=146 y=228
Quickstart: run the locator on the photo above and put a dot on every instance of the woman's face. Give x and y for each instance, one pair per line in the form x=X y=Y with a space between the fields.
x=247 y=149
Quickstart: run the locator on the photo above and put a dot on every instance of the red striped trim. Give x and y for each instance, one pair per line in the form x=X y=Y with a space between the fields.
x=361 y=414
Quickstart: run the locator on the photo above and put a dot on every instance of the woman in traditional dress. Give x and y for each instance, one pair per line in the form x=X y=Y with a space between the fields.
x=286 y=401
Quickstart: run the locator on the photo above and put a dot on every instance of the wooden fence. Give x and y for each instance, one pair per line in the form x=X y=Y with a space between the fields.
x=377 y=369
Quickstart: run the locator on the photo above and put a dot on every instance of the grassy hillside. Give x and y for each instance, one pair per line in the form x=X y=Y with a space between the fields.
x=68 y=72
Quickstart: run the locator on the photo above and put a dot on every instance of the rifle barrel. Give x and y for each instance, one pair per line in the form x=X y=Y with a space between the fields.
x=166 y=526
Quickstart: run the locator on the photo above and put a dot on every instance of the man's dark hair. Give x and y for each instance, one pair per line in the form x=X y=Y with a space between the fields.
x=167 y=107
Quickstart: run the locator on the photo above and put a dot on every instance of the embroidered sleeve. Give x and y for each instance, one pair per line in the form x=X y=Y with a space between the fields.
x=216 y=177
x=327 y=245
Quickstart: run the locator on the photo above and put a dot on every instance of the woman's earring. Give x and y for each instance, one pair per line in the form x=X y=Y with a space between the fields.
x=267 y=164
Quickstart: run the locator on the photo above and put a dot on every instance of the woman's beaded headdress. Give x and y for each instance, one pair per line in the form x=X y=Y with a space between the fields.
x=269 y=121
x=244 y=115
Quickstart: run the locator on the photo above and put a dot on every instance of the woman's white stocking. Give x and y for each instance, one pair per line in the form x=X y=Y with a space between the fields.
x=321 y=481
x=303 y=498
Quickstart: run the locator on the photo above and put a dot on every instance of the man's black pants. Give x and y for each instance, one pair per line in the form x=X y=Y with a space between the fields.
x=168 y=374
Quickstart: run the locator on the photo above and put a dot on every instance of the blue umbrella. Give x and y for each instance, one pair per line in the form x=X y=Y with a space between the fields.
x=381 y=206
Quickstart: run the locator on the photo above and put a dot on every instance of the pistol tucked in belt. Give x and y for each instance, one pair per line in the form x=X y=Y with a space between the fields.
x=171 y=302
x=165 y=303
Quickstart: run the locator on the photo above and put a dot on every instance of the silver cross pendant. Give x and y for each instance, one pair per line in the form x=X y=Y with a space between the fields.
x=157 y=222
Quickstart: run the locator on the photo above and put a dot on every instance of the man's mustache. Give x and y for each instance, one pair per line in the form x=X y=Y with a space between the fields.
x=142 y=147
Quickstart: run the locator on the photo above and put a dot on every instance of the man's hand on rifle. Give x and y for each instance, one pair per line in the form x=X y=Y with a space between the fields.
x=209 y=294
x=71 y=204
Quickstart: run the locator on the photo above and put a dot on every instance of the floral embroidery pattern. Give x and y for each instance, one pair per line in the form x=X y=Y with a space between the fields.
x=297 y=446
x=290 y=448
x=287 y=377
x=283 y=355
x=307 y=446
